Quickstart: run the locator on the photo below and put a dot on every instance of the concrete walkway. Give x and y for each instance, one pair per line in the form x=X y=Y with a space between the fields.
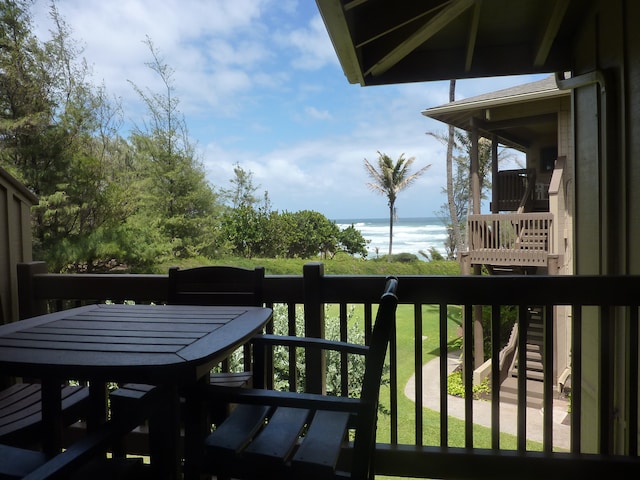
x=482 y=408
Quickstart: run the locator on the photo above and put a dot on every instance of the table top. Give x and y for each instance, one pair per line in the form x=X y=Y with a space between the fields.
x=154 y=344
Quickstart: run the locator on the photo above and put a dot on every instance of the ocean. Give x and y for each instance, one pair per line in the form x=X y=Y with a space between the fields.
x=410 y=235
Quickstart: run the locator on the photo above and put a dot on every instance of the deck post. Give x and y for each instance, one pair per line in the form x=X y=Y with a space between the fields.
x=314 y=323
x=28 y=304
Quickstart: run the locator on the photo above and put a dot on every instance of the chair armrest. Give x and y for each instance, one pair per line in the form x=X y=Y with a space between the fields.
x=258 y=396
x=263 y=343
x=309 y=342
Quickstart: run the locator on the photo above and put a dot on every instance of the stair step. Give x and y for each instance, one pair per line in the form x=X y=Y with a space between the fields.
x=533 y=356
x=509 y=392
x=531 y=375
x=534 y=388
x=531 y=364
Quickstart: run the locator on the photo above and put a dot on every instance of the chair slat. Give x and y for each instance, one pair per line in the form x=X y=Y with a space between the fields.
x=21 y=411
x=320 y=451
x=236 y=432
x=276 y=441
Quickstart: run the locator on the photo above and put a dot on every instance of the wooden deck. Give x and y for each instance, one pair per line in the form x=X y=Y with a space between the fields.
x=590 y=299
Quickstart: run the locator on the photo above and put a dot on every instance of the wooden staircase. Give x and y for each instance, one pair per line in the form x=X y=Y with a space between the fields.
x=533 y=370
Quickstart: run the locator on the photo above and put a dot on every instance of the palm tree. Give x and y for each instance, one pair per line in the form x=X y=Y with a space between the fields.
x=389 y=179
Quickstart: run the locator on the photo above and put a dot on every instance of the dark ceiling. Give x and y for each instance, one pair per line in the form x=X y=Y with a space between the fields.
x=396 y=41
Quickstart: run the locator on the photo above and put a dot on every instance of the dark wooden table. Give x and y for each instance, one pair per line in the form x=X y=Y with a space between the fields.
x=170 y=346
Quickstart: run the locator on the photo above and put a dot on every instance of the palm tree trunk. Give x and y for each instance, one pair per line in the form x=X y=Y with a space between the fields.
x=455 y=225
x=390 y=232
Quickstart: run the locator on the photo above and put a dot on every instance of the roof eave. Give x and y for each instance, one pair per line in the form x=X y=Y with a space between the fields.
x=463 y=105
x=335 y=22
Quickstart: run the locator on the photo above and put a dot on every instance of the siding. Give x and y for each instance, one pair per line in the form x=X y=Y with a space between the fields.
x=15 y=240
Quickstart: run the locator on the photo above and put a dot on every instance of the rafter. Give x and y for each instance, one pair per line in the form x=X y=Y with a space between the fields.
x=400 y=25
x=353 y=4
x=437 y=23
x=550 y=31
x=473 y=35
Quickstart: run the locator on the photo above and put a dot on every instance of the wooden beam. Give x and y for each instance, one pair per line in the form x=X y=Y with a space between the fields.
x=397 y=26
x=550 y=31
x=473 y=35
x=336 y=24
x=432 y=27
x=488 y=129
x=518 y=122
x=353 y=4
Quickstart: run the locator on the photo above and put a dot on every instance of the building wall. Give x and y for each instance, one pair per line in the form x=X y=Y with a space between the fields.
x=607 y=171
x=561 y=206
x=15 y=240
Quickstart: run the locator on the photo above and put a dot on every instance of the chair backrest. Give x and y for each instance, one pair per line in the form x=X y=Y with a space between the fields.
x=365 y=439
x=216 y=285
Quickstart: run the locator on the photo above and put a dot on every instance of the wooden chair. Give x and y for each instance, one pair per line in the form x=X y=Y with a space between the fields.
x=275 y=434
x=83 y=459
x=21 y=411
x=218 y=285
x=207 y=285
x=215 y=285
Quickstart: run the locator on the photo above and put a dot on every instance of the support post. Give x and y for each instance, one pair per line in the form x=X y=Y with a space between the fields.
x=314 y=326
x=28 y=303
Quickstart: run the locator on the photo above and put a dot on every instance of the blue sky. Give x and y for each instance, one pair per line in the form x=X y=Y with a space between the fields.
x=260 y=86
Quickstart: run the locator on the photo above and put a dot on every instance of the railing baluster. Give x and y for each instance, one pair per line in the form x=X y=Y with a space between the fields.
x=393 y=385
x=632 y=345
x=293 y=354
x=344 y=363
x=605 y=414
x=547 y=385
x=417 y=348
x=444 y=409
x=576 y=378
x=523 y=323
x=495 y=376
x=468 y=375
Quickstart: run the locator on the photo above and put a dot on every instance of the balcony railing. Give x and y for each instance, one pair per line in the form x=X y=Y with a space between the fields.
x=606 y=305
x=511 y=239
x=519 y=190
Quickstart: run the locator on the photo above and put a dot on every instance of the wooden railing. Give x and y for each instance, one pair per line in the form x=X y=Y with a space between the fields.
x=511 y=239
x=515 y=188
x=607 y=305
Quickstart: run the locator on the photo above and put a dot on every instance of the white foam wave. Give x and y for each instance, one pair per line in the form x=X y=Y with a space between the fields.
x=409 y=235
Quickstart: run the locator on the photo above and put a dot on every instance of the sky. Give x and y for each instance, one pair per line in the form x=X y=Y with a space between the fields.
x=260 y=86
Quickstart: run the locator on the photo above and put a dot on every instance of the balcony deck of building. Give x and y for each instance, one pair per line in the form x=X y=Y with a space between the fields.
x=591 y=298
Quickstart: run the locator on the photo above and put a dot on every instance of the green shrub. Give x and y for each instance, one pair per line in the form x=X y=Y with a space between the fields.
x=455 y=386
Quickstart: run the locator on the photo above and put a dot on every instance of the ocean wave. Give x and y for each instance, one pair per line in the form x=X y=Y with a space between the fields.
x=409 y=235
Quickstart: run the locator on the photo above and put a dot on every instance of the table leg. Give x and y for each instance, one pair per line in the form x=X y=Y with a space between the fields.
x=164 y=435
x=51 y=416
x=195 y=430
x=98 y=405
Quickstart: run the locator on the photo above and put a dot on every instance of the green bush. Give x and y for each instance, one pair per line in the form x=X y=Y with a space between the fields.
x=455 y=386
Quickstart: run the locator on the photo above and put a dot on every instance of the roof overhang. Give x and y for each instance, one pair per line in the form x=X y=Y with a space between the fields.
x=518 y=116
x=385 y=41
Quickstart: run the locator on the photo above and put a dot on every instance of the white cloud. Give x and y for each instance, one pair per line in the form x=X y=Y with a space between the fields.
x=316 y=114
x=311 y=44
